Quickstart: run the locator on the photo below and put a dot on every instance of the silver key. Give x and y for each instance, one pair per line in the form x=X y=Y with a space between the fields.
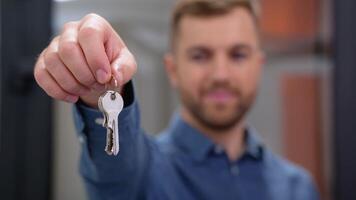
x=111 y=104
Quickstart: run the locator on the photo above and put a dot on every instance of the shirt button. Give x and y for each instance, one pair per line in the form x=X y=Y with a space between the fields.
x=81 y=139
x=99 y=121
x=234 y=170
x=218 y=149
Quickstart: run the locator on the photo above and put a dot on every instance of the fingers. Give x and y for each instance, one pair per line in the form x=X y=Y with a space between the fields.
x=82 y=59
x=104 y=50
x=94 y=35
x=72 y=55
x=60 y=73
x=49 y=85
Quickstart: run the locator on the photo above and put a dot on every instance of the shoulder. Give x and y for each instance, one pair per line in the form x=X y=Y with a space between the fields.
x=165 y=143
x=298 y=179
x=285 y=167
x=168 y=147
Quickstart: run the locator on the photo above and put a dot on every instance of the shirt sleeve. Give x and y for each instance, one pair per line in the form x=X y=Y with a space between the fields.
x=113 y=177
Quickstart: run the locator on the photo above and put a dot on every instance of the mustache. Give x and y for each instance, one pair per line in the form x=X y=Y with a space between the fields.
x=218 y=86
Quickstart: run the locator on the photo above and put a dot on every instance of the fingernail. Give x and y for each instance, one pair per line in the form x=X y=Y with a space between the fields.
x=101 y=75
x=72 y=99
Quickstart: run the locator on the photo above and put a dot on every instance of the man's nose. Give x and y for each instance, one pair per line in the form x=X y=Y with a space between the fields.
x=220 y=68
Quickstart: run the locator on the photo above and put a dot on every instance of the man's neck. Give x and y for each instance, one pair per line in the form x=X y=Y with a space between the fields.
x=232 y=140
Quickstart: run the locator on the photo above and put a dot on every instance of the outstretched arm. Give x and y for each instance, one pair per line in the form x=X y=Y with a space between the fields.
x=113 y=177
x=77 y=65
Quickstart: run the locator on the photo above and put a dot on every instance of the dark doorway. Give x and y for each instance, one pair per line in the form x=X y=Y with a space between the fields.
x=25 y=111
x=345 y=100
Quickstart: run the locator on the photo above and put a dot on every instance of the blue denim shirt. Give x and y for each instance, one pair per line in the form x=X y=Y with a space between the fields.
x=181 y=164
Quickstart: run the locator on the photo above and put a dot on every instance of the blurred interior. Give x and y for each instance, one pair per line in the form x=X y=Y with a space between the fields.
x=293 y=108
x=298 y=113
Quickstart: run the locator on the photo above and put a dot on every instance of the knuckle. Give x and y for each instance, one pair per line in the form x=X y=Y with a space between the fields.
x=51 y=60
x=92 y=15
x=88 y=32
x=69 y=25
x=68 y=49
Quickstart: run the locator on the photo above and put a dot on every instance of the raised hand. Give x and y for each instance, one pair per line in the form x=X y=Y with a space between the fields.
x=82 y=59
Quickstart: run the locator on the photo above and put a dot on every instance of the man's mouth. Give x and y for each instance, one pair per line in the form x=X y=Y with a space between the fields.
x=219 y=96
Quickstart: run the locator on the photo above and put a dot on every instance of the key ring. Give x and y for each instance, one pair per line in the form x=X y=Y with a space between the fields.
x=115 y=82
x=116 y=88
x=116 y=85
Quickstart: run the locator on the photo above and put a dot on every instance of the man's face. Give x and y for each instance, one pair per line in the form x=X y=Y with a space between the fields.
x=216 y=67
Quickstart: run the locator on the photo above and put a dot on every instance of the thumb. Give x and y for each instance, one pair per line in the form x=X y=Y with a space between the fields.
x=124 y=67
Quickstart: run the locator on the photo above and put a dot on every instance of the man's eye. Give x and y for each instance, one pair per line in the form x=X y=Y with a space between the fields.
x=199 y=57
x=239 y=56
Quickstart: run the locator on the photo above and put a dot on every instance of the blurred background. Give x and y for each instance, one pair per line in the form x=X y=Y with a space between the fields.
x=304 y=110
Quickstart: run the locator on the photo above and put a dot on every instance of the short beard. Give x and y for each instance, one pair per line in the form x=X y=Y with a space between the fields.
x=196 y=109
x=215 y=126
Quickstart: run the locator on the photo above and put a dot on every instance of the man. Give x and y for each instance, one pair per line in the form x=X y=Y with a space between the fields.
x=208 y=151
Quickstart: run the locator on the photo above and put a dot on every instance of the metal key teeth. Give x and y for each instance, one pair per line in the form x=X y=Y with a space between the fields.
x=109 y=141
x=115 y=139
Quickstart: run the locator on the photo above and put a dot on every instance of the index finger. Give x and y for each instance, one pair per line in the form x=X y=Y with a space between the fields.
x=96 y=38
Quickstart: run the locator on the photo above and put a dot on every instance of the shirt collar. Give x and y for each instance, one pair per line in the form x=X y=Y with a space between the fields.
x=254 y=145
x=189 y=139
x=192 y=141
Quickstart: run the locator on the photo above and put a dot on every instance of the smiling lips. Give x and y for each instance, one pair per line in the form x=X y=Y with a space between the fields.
x=219 y=96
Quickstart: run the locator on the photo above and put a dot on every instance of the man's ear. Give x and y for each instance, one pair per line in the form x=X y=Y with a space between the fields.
x=171 y=69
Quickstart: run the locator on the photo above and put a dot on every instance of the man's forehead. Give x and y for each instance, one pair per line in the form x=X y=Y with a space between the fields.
x=235 y=26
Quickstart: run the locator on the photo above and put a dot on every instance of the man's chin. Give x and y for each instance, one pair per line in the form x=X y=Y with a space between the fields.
x=219 y=126
x=225 y=112
x=218 y=121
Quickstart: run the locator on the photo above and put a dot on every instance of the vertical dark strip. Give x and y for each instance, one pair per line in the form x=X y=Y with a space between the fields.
x=25 y=156
x=345 y=99
x=1 y=47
